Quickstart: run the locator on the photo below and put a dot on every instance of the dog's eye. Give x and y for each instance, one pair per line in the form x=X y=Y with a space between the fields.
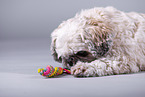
x=82 y=53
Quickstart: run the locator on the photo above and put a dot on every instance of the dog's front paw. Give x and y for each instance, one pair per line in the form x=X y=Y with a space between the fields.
x=82 y=70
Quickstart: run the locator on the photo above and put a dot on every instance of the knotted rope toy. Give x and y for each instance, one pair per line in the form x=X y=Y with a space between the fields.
x=51 y=72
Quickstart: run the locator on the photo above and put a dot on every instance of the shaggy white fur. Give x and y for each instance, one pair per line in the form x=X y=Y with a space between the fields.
x=110 y=41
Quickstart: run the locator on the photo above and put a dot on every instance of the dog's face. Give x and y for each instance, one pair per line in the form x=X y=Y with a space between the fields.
x=80 y=39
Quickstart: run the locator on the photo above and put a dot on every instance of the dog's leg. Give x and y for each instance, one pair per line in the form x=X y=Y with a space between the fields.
x=102 y=67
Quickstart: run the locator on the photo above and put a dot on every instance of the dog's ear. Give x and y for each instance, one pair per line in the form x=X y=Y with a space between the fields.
x=98 y=34
x=54 y=53
x=54 y=36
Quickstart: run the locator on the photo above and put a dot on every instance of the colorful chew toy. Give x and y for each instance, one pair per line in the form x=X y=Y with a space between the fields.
x=51 y=72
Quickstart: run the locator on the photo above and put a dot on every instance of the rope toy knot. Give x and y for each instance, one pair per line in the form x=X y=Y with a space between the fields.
x=52 y=72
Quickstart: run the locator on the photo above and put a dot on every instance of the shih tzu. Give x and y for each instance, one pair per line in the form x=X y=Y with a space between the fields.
x=101 y=41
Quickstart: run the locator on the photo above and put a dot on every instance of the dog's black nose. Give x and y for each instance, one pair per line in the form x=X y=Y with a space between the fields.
x=70 y=61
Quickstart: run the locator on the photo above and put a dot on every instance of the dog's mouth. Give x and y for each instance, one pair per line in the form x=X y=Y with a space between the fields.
x=83 y=56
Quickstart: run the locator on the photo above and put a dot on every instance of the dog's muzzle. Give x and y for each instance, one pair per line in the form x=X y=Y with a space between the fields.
x=69 y=62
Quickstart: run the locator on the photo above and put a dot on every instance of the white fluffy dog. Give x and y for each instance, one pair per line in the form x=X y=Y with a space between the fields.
x=101 y=41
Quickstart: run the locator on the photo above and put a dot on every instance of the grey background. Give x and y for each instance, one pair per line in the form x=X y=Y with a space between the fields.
x=25 y=28
x=21 y=19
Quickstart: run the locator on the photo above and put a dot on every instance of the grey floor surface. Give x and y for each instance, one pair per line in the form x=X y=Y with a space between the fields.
x=19 y=61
